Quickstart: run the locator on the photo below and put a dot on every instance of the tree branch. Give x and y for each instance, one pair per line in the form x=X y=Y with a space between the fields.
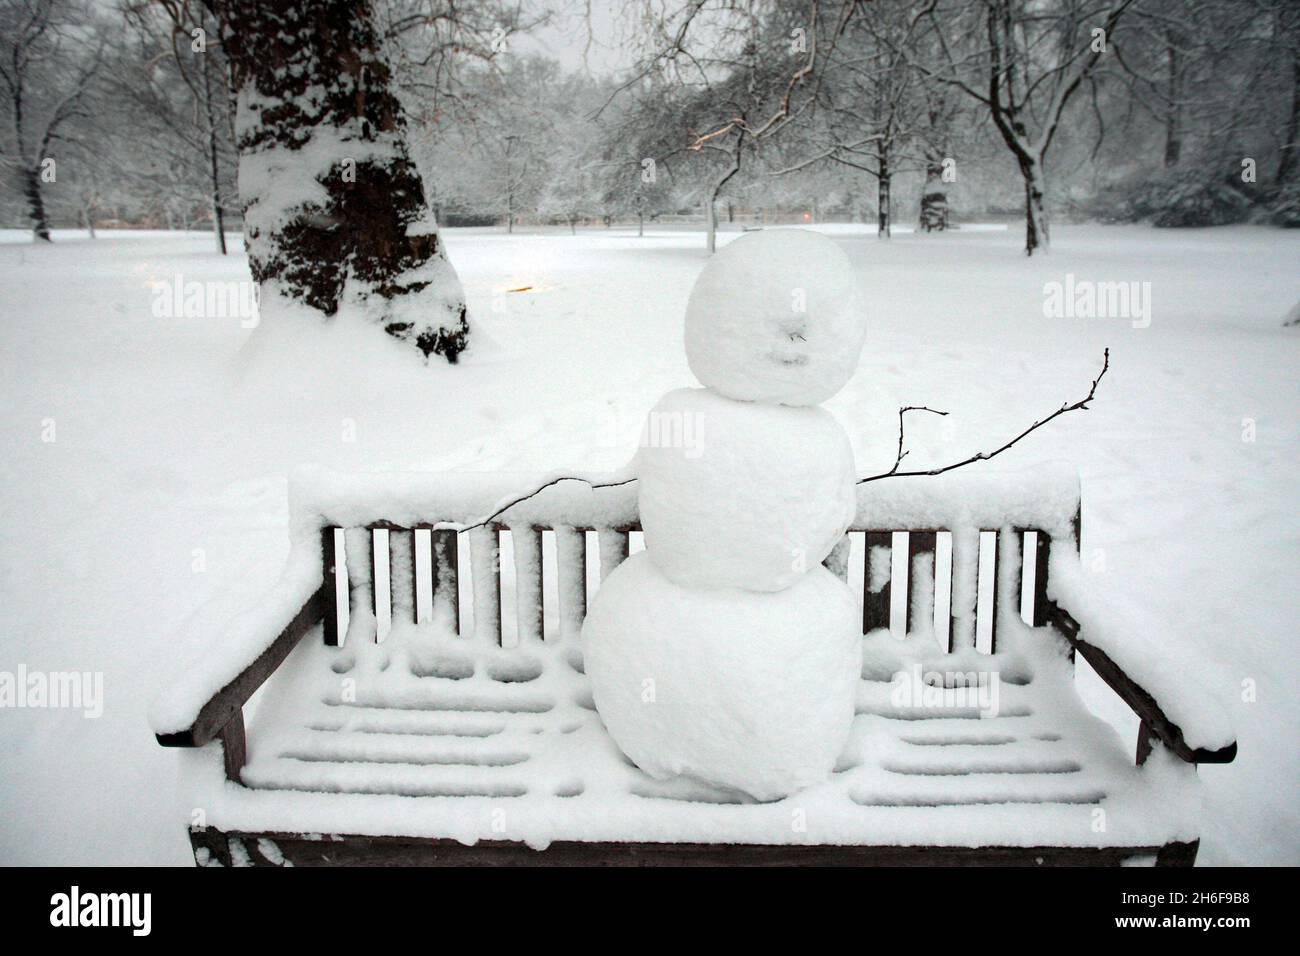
x=538 y=490
x=1082 y=404
x=898 y=459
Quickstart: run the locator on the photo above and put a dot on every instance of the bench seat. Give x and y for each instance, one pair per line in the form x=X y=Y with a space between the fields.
x=467 y=743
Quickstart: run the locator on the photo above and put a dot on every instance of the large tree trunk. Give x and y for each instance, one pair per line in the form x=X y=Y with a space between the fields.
x=711 y=214
x=36 y=203
x=333 y=201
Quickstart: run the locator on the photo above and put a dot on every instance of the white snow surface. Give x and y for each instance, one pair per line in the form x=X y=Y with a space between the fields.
x=744 y=691
x=741 y=494
x=165 y=489
x=776 y=316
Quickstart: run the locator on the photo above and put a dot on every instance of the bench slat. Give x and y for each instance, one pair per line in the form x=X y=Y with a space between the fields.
x=965 y=588
x=330 y=560
x=877 y=558
x=485 y=572
x=529 y=614
x=922 y=581
x=571 y=569
x=357 y=551
x=1042 y=555
x=1006 y=575
x=401 y=573
x=445 y=569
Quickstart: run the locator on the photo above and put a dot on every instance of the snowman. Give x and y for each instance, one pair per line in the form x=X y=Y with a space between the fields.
x=725 y=652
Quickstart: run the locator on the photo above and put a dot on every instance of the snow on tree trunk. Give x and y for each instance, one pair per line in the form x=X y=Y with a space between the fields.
x=336 y=214
x=36 y=203
x=712 y=218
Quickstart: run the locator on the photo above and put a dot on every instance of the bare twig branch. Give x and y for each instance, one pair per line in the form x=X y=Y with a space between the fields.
x=538 y=490
x=898 y=459
x=1082 y=404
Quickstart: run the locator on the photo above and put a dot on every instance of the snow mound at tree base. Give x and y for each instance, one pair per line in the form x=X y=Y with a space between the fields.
x=750 y=692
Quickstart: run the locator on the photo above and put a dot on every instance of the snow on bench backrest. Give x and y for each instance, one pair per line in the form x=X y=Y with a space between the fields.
x=1045 y=497
x=401 y=546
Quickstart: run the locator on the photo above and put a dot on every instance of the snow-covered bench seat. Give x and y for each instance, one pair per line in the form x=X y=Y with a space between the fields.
x=416 y=694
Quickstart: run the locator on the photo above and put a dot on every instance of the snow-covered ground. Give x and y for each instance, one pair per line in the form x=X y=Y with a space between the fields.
x=144 y=458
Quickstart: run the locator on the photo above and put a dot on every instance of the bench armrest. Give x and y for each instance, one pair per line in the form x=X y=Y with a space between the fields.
x=222 y=707
x=209 y=692
x=1190 y=723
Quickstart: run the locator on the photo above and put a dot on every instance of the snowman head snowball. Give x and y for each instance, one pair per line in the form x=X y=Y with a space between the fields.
x=776 y=316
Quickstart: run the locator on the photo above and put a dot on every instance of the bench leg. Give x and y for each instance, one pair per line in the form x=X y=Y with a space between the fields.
x=210 y=846
x=1178 y=854
x=234 y=746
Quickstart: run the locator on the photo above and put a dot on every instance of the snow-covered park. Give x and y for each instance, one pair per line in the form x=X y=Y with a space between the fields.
x=146 y=454
x=645 y=433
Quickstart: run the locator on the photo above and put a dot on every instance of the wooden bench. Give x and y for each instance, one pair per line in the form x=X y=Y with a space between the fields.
x=416 y=694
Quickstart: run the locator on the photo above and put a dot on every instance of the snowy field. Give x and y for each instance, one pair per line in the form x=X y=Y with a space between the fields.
x=144 y=459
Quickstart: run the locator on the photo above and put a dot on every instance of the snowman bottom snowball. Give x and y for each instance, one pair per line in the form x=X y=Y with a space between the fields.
x=747 y=691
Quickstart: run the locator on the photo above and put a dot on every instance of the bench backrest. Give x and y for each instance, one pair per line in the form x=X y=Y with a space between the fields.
x=955 y=554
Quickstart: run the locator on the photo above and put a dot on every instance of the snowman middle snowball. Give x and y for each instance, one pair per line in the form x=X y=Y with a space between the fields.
x=741 y=494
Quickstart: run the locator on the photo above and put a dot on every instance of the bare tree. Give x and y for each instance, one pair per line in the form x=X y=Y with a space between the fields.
x=175 y=75
x=47 y=73
x=1033 y=56
x=869 y=111
x=748 y=70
